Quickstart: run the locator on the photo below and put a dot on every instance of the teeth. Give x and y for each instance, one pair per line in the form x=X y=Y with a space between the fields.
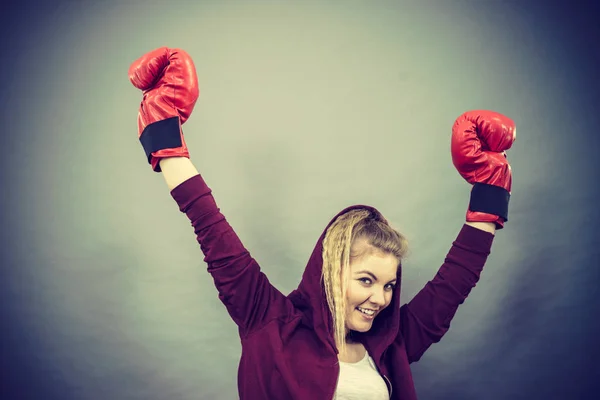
x=365 y=311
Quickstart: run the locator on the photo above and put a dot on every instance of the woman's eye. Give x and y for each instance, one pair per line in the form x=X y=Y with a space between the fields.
x=365 y=280
x=391 y=286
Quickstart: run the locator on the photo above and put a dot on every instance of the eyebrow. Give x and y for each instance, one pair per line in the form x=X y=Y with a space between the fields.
x=372 y=275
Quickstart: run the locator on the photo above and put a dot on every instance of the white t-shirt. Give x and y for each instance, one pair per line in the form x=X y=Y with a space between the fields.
x=360 y=381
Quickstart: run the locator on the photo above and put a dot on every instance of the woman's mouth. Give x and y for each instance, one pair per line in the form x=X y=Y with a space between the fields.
x=366 y=313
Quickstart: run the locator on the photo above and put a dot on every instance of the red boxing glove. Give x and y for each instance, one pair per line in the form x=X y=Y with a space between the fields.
x=170 y=85
x=479 y=142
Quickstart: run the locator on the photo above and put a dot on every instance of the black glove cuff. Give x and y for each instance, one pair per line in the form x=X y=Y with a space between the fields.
x=490 y=199
x=161 y=135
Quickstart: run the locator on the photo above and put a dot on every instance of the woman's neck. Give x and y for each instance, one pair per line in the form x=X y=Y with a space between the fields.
x=351 y=338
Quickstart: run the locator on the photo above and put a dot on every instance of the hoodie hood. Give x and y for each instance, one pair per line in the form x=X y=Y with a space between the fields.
x=311 y=299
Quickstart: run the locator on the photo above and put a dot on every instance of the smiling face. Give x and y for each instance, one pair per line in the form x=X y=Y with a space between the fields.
x=370 y=284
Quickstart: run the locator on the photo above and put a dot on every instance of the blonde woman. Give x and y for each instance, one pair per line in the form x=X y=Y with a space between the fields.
x=343 y=333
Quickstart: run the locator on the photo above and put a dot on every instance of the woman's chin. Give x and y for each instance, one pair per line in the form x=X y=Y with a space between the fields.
x=360 y=324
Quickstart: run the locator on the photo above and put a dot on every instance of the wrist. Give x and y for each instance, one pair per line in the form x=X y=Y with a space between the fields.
x=177 y=170
x=483 y=226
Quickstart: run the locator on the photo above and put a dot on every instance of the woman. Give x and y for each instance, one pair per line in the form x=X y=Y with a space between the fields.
x=342 y=334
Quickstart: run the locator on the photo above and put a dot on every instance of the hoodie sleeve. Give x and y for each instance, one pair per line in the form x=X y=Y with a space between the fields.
x=244 y=290
x=426 y=318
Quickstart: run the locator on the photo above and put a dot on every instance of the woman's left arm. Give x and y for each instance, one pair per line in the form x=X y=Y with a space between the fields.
x=426 y=318
x=479 y=143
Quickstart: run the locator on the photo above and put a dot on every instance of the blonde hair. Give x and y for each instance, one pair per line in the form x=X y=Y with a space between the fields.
x=337 y=253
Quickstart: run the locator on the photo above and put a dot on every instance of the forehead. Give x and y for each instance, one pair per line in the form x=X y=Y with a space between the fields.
x=383 y=265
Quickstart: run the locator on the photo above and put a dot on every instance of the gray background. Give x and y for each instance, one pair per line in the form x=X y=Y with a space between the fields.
x=305 y=108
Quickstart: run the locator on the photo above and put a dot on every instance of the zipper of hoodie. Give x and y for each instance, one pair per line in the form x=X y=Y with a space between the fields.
x=391 y=389
x=388 y=381
x=337 y=380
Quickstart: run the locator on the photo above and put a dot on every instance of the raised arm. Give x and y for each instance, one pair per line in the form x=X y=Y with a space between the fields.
x=244 y=290
x=168 y=79
x=426 y=318
x=479 y=142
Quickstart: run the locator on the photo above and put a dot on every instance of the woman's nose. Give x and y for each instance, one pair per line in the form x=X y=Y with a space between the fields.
x=378 y=297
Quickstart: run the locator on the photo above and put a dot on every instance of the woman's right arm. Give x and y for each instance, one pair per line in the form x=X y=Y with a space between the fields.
x=245 y=291
x=169 y=83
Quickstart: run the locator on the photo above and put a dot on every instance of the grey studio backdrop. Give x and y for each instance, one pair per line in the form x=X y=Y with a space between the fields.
x=305 y=108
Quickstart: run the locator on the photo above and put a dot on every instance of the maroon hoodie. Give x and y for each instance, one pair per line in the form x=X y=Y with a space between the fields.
x=288 y=349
